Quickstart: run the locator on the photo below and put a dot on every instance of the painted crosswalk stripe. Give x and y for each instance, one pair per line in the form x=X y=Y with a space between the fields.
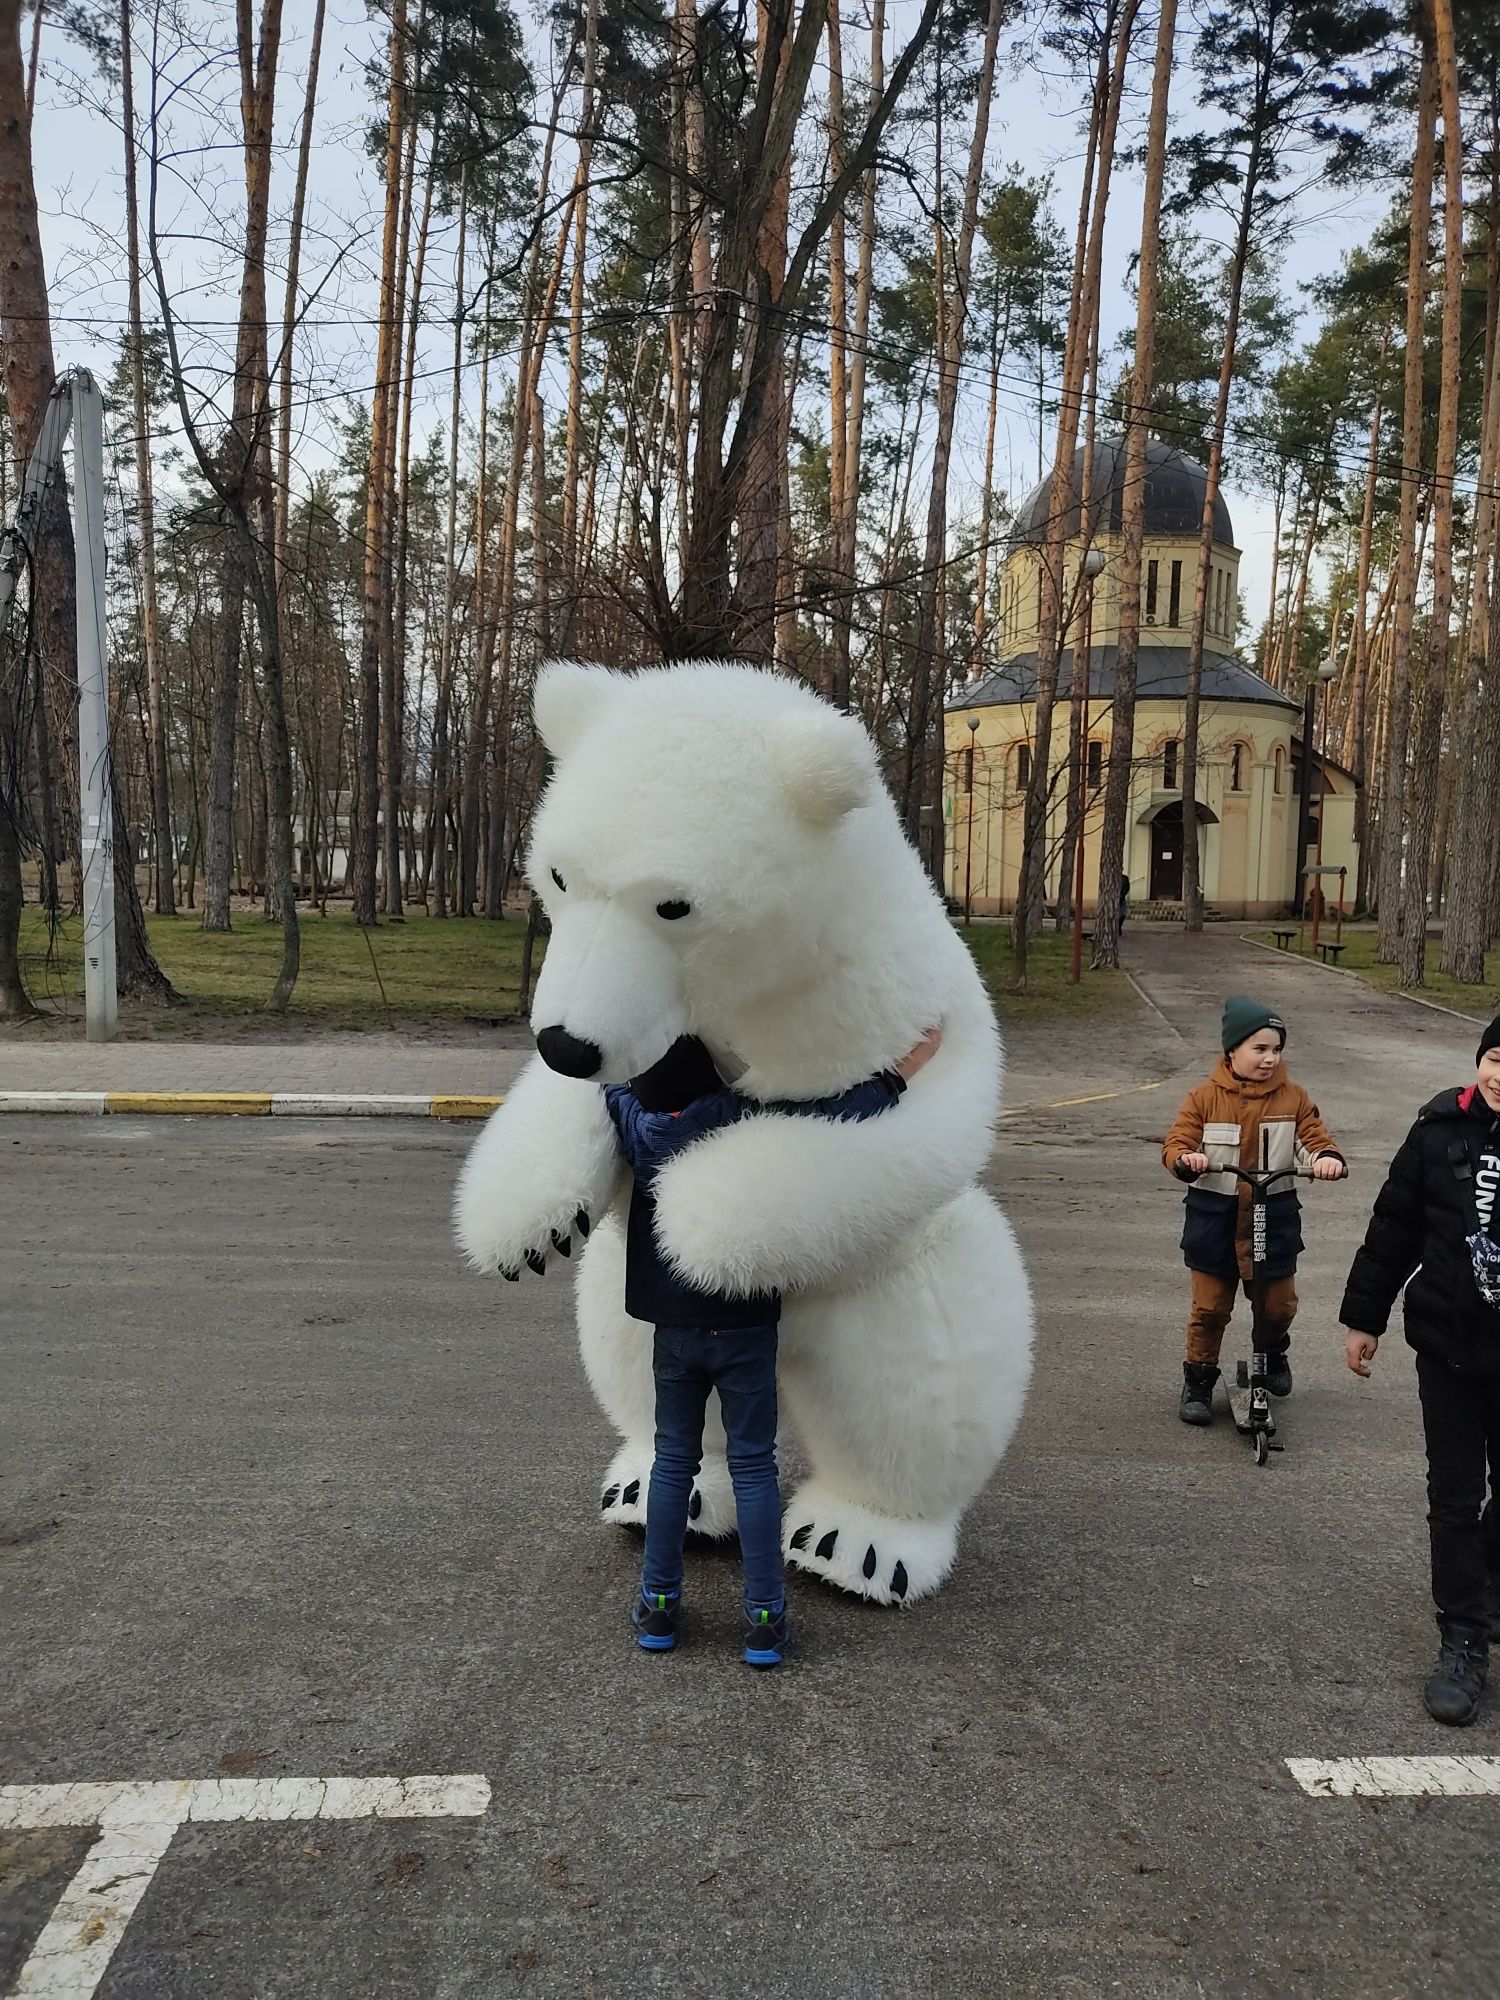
x=136 y=1825
x=1397 y=1777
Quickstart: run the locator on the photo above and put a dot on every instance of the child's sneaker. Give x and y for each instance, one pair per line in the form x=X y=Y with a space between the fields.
x=766 y=1634
x=655 y=1620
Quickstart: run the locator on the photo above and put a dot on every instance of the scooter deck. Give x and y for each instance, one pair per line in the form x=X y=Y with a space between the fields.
x=1239 y=1409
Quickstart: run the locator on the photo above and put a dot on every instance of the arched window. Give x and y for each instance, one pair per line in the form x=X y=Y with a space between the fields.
x=1237 y=767
x=1279 y=777
x=1023 y=766
x=1169 y=765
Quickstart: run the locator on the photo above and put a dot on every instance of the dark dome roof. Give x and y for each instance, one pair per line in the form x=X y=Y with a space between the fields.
x=1174 y=495
x=1161 y=675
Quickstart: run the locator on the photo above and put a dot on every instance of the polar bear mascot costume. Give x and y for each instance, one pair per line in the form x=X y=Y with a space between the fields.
x=718 y=857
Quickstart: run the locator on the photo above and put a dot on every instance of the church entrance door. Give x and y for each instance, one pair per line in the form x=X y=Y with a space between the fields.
x=1166 y=855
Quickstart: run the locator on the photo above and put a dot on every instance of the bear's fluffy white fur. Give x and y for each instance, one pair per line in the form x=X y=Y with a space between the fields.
x=813 y=954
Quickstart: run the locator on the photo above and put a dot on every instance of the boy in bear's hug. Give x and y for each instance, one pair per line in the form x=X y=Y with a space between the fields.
x=705 y=1341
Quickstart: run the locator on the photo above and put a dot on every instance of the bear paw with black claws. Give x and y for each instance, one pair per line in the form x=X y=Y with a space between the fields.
x=880 y=1557
x=536 y=1259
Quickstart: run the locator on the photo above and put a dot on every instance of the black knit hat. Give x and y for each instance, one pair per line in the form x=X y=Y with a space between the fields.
x=1490 y=1039
x=686 y=1071
x=1244 y=1017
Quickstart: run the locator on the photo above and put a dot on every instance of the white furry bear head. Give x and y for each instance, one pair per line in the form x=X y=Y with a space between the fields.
x=718 y=856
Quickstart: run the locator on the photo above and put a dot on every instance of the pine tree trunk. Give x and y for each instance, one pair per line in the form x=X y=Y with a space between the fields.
x=572 y=563
x=239 y=452
x=377 y=484
x=392 y=606
x=1133 y=511
x=471 y=776
x=1398 y=692
x=1360 y=761
x=15 y=1001
x=836 y=675
x=401 y=541
x=924 y=749
x=847 y=528
x=437 y=816
x=1435 y=668
x=161 y=797
x=1192 y=844
x=1476 y=811
x=1104 y=123
x=756 y=598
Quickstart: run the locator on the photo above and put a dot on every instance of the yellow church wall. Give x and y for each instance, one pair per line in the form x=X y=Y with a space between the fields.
x=1248 y=863
x=1020 y=594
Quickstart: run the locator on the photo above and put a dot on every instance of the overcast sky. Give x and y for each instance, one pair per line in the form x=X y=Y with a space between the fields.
x=80 y=191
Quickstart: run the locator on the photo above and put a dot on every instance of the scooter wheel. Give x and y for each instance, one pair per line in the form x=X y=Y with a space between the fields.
x=1242 y=1374
x=1262 y=1447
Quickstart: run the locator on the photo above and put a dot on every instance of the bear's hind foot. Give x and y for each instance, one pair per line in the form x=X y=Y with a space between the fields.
x=622 y=1494
x=880 y=1557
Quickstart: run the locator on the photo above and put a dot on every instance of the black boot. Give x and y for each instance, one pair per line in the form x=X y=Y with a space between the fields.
x=1198 y=1379
x=1456 y=1683
x=1278 y=1372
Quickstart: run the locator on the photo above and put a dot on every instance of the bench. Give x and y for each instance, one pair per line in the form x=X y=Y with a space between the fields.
x=1329 y=953
x=1284 y=939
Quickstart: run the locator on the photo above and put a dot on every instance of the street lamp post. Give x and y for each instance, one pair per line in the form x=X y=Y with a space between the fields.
x=1092 y=566
x=973 y=726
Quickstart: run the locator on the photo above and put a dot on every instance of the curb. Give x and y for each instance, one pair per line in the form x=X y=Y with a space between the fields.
x=1146 y=1000
x=241 y=1104
x=1380 y=992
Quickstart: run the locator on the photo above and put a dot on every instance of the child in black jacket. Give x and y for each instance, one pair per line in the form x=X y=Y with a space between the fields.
x=1439 y=1193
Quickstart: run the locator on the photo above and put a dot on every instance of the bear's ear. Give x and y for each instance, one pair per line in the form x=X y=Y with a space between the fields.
x=826 y=767
x=567 y=699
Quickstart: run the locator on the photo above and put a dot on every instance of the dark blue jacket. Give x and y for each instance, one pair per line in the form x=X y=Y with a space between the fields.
x=649 y=1139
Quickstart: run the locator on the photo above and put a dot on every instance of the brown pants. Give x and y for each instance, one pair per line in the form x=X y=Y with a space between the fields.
x=1213 y=1306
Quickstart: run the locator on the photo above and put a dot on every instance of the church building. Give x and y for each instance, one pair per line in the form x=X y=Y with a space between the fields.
x=1250 y=733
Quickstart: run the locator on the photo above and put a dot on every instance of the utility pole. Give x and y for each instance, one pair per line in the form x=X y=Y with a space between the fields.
x=75 y=401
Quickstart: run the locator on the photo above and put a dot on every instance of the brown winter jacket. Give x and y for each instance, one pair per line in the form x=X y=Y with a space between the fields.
x=1271 y=1124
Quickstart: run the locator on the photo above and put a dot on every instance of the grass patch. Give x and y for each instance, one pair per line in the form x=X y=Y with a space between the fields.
x=450 y=971
x=1049 y=976
x=1359 y=956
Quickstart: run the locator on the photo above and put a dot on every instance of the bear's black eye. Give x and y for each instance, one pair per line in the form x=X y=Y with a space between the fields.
x=673 y=910
x=559 y=881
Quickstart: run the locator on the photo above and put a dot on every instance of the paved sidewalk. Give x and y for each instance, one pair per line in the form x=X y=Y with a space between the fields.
x=376 y=1064
x=1046 y=1061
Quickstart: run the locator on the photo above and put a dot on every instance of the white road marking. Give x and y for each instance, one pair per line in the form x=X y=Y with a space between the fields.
x=136 y=1824
x=1397 y=1777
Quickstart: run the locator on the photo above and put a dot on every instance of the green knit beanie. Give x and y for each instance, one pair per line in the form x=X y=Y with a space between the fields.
x=1244 y=1017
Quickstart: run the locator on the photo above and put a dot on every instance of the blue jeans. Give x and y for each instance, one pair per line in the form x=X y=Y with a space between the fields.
x=740 y=1363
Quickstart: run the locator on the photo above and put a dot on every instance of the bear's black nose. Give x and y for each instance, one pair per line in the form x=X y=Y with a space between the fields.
x=567 y=1054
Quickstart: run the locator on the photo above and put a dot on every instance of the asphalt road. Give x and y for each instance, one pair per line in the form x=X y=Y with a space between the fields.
x=286 y=1493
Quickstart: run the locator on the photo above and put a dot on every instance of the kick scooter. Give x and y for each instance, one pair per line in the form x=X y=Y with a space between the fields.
x=1249 y=1399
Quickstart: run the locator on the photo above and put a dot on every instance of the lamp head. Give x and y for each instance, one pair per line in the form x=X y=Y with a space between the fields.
x=1093 y=563
x=972 y=724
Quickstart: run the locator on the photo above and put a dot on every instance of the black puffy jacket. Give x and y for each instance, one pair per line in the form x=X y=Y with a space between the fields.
x=1417 y=1236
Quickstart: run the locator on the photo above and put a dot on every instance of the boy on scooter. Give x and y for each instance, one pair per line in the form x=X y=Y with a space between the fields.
x=1436 y=1230
x=1250 y=1113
